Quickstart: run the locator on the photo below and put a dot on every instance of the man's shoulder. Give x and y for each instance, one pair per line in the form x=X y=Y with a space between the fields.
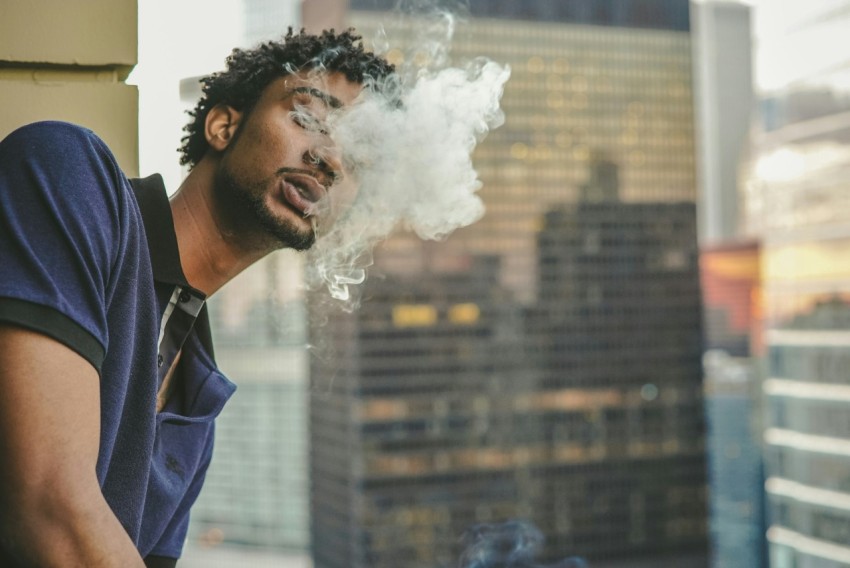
x=60 y=171
x=56 y=143
x=49 y=132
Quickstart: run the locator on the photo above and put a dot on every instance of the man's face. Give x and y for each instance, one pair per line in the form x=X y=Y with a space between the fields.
x=281 y=163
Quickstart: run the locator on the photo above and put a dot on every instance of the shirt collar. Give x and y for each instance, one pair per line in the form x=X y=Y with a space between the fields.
x=162 y=244
x=159 y=229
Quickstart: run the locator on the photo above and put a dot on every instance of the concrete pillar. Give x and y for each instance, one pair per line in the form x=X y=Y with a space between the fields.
x=68 y=61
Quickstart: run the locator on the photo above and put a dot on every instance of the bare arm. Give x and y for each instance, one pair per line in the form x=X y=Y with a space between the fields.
x=52 y=512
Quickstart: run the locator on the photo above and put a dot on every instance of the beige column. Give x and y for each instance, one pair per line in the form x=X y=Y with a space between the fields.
x=62 y=60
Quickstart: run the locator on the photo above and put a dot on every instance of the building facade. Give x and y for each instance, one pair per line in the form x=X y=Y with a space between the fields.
x=723 y=92
x=734 y=366
x=799 y=202
x=618 y=317
x=736 y=470
x=730 y=275
x=543 y=364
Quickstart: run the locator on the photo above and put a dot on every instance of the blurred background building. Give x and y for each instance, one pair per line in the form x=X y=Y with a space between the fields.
x=733 y=366
x=544 y=364
x=799 y=205
x=730 y=275
x=723 y=97
x=733 y=412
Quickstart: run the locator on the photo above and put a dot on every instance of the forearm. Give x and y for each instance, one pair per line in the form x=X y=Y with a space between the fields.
x=52 y=511
x=81 y=533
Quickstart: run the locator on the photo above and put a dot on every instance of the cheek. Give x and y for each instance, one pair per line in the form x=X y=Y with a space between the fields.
x=267 y=143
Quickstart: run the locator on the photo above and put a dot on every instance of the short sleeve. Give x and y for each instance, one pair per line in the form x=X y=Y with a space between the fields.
x=60 y=233
x=171 y=543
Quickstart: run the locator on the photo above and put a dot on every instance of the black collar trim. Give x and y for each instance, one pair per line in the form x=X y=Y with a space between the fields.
x=162 y=244
x=159 y=229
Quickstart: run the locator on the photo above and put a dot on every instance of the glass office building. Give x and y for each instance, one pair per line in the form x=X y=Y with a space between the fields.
x=736 y=472
x=800 y=203
x=543 y=364
x=733 y=363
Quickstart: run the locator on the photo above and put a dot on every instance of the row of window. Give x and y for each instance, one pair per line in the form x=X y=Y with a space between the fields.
x=816 y=417
x=817 y=364
x=821 y=470
x=822 y=523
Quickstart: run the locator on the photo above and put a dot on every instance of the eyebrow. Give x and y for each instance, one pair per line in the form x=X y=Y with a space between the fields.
x=329 y=100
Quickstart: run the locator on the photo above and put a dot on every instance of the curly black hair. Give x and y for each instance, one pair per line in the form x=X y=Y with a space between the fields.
x=250 y=71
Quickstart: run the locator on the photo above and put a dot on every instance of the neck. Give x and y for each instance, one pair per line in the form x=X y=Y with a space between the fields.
x=210 y=259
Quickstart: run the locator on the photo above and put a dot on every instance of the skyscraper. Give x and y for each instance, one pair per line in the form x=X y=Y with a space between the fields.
x=618 y=317
x=724 y=100
x=723 y=93
x=736 y=473
x=799 y=203
x=543 y=364
x=733 y=364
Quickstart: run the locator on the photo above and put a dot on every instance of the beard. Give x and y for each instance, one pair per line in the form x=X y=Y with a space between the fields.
x=247 y=216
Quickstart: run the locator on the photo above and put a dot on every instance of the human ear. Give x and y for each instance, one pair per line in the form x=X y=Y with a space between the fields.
x=220 y=126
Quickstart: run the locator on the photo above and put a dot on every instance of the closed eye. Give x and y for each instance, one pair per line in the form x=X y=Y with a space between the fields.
x=308 y=121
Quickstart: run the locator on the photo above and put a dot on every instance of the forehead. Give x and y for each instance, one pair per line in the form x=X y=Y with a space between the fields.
x=326 y=88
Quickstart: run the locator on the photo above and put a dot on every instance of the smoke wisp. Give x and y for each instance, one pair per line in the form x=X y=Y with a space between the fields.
x=513 y=544
x=407 y=142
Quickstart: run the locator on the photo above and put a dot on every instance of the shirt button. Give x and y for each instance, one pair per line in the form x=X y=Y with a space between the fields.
x=159 y=360
x=184 y=297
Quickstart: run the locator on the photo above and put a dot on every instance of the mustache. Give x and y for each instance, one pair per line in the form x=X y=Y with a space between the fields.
x=297 y=171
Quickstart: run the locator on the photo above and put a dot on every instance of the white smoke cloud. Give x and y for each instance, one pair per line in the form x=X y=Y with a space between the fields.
x=409 y=143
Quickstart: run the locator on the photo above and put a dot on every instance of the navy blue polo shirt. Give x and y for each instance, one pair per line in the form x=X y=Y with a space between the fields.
x=90 y=259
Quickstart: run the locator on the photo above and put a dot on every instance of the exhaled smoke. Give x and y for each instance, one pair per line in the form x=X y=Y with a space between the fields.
x=513 y=544
x=407 y=142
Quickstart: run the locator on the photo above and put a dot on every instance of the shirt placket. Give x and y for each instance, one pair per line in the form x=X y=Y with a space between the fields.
x=177 y=321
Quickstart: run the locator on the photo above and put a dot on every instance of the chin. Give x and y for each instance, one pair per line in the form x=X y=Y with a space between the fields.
x=284 y=228
x=288 y=235
x=305 y=242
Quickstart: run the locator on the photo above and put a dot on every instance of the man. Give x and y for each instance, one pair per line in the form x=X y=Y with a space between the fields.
x=107 y=373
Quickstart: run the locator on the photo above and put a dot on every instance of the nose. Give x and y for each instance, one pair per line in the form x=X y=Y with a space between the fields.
x=327 y=160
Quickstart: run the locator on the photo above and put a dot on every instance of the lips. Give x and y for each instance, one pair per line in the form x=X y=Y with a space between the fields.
x=302 y=192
